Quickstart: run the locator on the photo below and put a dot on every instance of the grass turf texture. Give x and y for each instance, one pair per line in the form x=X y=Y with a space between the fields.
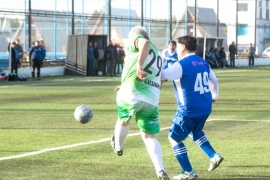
x=38 y=115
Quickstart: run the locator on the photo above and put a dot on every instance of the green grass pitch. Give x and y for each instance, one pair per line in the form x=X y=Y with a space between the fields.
x=40 y=140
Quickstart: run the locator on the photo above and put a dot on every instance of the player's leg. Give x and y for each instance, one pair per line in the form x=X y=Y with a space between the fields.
x=148 y=122
x=125 y=112
x=181 y=155
x=154 y=150
x=120 y=133
x=201 y=140
x=181 y=127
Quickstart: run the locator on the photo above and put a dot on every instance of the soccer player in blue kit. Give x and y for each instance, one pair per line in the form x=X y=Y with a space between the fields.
x=196 y=88
x=169 y=55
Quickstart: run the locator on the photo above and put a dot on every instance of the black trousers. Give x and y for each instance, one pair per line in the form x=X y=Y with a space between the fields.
x=36 y=64
x=14 y=67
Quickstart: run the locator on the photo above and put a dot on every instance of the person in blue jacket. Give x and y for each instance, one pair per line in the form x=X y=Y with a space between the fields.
x=36 y=56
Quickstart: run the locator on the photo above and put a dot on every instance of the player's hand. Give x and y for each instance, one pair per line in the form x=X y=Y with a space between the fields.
x=162 y=81
x=141 y=74
x=116 y=89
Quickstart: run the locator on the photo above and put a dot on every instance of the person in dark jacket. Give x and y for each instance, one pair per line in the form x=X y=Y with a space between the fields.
x=43 y=51
x=19 y=49
x=35 y=54
x=120 y=59
x=233 y=51
x=96 y=55
x=110 y=56
x=251 y=55
x=91 y=59
x=14 y=58
x=223 y=61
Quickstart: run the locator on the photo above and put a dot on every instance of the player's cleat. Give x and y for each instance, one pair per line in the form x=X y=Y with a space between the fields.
x=215 y=162
x=186 y=175
x=162 y=175
x=119 y=153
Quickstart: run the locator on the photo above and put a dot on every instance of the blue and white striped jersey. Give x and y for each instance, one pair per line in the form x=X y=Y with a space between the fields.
x=195 y=85
x=168 y=58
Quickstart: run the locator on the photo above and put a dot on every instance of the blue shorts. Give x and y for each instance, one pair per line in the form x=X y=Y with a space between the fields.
x=183 y=125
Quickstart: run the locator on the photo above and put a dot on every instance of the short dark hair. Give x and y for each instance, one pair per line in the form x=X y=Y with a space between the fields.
x=173 y=42
x=189 y=41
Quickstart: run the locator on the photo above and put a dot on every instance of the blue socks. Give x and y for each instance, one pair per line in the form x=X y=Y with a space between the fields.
x=206 y=146
x=181 y=155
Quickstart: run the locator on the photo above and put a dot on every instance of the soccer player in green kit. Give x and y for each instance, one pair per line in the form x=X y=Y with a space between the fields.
x=138 y=97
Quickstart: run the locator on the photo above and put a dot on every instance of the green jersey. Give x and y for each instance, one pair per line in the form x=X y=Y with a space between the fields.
x=132 y=88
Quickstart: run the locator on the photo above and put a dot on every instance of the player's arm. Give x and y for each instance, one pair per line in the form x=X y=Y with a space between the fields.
x=163 y=57
x=143 y=46
x=117 y=88
x=172 y=73
x=213 y=85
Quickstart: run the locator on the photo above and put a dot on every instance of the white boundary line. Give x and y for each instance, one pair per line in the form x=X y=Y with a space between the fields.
x=103 y=140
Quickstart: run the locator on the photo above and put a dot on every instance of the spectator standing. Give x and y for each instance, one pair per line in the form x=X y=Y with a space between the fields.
x=251 y=54
x=43 y=51
x=35 y=54
x=110 y=55
x=196 y=88
x=96 y=55
x=169 y=55
x=120 y=58
x=14 y=58
x=138 y=96
x=232 y=51
x=19 y=49
x=91 y=59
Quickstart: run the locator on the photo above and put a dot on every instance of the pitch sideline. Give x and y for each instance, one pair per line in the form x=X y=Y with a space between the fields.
x=100 y=141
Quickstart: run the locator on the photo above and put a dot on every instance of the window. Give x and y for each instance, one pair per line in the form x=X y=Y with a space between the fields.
x=242 y=7
x=242 y=29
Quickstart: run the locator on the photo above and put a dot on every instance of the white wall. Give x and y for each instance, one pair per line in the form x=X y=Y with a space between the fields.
x=49 y=71
x=60 y=71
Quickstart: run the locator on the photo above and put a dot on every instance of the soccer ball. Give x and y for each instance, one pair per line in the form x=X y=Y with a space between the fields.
x=100 y=73
x=83 y=114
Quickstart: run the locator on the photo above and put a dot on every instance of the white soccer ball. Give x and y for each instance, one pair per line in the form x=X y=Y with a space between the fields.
x=100 y=73
x=83 y=114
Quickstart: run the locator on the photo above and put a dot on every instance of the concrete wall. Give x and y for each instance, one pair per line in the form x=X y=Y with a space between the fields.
x=48 y=71
x=257 y=62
